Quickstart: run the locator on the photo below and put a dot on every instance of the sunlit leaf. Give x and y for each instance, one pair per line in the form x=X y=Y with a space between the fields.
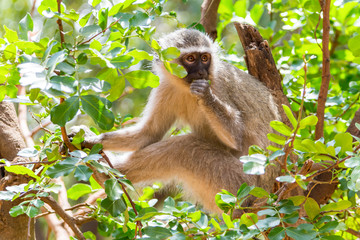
x=65 y=111
x=98 y=109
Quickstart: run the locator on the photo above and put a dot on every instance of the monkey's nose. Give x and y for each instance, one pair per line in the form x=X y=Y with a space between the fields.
x=203 y=74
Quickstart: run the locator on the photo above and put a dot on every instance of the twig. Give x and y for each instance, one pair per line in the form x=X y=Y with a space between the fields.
x=100 y=32
x=290 y=146
x=290 y=186
x=353 y=232
x=350 y=106
x=41 y=126
x=33 y=8
x=59 y=22
x=70 y=221
x=138 y=223
x=67 y=209
x=319 y=129
x=24 y=163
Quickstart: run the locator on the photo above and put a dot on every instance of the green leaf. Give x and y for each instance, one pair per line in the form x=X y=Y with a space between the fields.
x=63 y=84
x=240 y=8
x=337 y=206
x=17 y=210
x=139 y=19
x=225 y=200
x=10 y=35
x=277 y=233
x=259 y=192
x=248 y=219
x=147 y=213
x=297 y=200
x=10 y=52
x=117 y=88
x=155 y=45
x=94 y=3
x=142 y=79
x=344 y=140
x=215 y=224
x=115 y=208
x=113 y=189
x=46 y=4
x=290 y=115
x=83 y=21
x=120 y=6
x=62 y=168
x=28 y=152
x=122 y=62
x=22 y=170
x=26 y=24
x=176 y=69
x=169 y=54
x=78 y=190
x=90 y=30
x=94 y=84
x=55 y=59
x=276 y=138
x=227 y=220
x=65 y=111
x=157 y=233
x=89 y=235
x=139 y=55
x=281 y=128
x=312 y=208
x=254 y=164
x=308 y=121
x=287 y=178
x=256 y=12
x=352 y=162
x=328 y=227
x=82 y=173
x=301 y=233
x=82 y=59
x=98 y=109
x=7 y=195
x=354 y=45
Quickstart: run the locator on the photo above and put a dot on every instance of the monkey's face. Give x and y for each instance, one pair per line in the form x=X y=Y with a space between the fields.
x=197 y=65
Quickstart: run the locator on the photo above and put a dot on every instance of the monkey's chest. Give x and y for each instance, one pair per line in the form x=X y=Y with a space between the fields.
x=191 y=115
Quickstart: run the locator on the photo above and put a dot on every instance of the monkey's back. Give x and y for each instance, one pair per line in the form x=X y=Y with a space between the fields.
x=254 y=101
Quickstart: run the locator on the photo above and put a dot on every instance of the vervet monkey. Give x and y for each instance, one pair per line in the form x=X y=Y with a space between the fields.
x=227 y=110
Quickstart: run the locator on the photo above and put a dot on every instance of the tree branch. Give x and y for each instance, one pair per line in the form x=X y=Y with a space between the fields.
x=319 y=129
x=70 y=221
x=208 y=18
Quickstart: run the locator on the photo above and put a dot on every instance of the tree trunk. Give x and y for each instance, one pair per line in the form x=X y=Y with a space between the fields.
x=11 y=142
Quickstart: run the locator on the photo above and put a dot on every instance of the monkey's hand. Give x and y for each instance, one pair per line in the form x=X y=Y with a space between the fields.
x=201 y=88
x=83 y=132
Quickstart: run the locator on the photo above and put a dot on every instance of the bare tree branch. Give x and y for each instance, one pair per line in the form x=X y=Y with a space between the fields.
x=319 y=129
x=70 y=221
x=208 y=19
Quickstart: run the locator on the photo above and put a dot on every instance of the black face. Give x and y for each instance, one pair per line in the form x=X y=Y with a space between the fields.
x=197 y=65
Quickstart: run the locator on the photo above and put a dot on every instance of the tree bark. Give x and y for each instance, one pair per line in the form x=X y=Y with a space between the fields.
x=261 y=64
x=11 y=142
x=209 y=17
x=319 y=130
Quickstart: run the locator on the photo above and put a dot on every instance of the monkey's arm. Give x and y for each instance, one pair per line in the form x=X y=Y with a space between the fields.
x=156 y=121
x=224 y=120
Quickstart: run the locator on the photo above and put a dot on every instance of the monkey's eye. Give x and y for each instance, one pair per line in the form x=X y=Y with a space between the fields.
x=190 y=58
x=204 y=58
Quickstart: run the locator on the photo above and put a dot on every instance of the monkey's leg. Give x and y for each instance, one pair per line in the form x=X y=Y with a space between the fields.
x=202 y=168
